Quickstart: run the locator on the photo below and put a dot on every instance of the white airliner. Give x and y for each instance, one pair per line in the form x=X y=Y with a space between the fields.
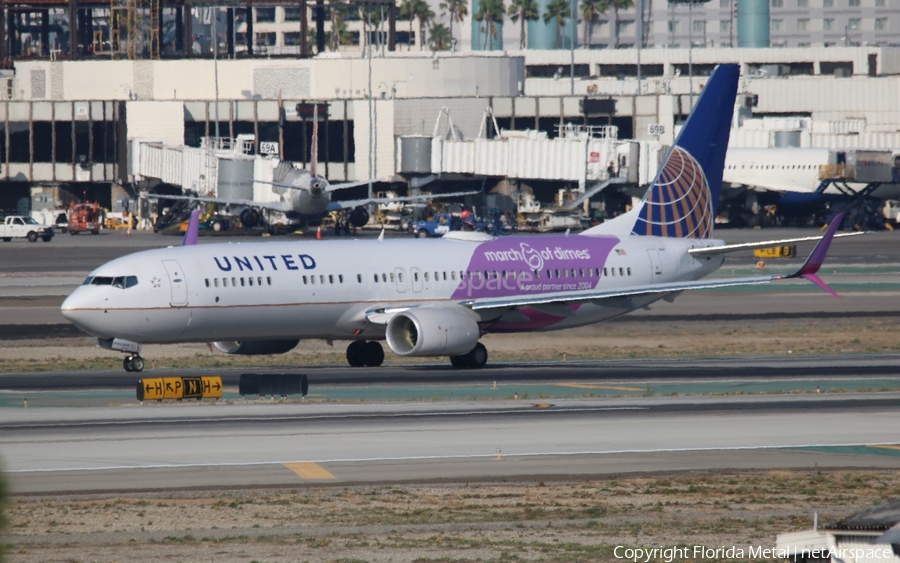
x=431 y=297
x=804 y=173
x=306 y=196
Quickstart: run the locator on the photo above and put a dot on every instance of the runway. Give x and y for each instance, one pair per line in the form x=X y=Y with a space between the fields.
x=239 y=446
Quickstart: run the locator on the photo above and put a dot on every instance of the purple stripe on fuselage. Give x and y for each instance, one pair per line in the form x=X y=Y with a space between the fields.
x=531 y=258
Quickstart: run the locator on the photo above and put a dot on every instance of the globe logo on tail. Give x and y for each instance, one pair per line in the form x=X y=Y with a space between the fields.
x=678 y=204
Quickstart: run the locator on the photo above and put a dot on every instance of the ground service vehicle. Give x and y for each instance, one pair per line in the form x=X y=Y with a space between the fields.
x=85 y=217
x=17 y=226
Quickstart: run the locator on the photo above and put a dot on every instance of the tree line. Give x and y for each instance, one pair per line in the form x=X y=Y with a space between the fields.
x=489 y=14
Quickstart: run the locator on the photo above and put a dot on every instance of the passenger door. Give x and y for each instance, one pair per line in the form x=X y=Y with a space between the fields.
x=656 y=274
x=177 y=283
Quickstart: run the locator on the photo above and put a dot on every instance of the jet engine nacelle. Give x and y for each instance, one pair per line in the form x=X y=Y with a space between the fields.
x=256 y=347
x=359 y=217
x=432 y=332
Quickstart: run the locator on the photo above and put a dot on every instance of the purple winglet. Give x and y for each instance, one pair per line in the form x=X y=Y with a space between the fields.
x=193 y=229
x=817 y=257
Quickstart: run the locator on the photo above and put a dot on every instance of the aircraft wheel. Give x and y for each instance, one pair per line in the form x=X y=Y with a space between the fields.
x=478 y=357
x=137 y=363
x=475 y=359
x=129 y=367
x=356 y=354
x=374 y=354
x=459 y=362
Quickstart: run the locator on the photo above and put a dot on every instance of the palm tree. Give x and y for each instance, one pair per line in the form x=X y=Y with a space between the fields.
x=424 y=14
x=457 y=9
x=408 y=10
x=523 y=11
x=439 y=37
x=591 y=10
x=370 y=16
x=490 y=12
x=558 y=11
x=619 y=5
x=338 y=35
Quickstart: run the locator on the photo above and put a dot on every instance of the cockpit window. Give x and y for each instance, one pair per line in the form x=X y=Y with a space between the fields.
x=121 y=282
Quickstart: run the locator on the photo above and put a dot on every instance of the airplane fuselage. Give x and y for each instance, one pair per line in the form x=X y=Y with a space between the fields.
x=329 y=289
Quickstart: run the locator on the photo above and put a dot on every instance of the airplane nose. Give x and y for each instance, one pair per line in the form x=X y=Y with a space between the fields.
x=79 y=309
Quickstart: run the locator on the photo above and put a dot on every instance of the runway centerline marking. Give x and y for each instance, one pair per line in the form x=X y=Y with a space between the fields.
x=309 y=470
x=471 y=456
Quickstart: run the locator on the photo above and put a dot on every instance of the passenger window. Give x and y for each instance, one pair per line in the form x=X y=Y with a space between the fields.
x=250 y=281
x=621 y=272
x=605 y=272
x=384 y=278
x=259 y=280
x=233 y=282
x=305 y=280
x=216 y=282
x=269 y=280
x=426 y=276
x=242 y=282
x=207 y=282
x=392 y=277
x=629 y=271
x=224 y=282
x=452 y=276
x=321 y=279
x=341 y=278
x=312 y=280
x=330 y=278
x=400 y=277
x=376 y=278
x=359 y=278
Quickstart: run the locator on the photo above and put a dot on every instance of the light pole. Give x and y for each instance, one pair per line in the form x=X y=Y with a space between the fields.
x=690 y=4
x=572 y=48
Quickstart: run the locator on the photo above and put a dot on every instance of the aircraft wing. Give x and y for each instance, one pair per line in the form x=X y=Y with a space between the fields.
x=273 y=205
x=348 y=204
x=344 y=185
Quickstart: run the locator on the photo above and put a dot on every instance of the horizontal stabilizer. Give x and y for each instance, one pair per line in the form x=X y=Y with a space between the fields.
x=729 y=248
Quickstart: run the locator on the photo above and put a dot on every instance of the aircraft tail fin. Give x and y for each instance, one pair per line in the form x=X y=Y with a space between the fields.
x=683 y=199
x=193 y=229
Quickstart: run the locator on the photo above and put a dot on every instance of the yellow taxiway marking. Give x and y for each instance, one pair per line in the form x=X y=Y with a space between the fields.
x=888 y=446
x=309 y=470
x=591 y=386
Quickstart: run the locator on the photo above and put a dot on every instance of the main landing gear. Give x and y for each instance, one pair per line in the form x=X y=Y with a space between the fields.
x=473 y=360
x=365 y=354
x=133 y=362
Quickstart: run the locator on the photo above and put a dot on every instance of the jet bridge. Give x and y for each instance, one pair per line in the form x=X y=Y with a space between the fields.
x=588 y=155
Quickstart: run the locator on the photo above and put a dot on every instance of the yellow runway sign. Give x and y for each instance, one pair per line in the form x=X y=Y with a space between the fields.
x=159 y=388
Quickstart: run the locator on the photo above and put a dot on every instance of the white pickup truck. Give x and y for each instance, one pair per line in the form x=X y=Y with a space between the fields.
x=17 y=226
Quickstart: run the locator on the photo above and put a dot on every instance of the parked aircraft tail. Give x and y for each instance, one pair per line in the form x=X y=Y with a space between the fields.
x=683 y=199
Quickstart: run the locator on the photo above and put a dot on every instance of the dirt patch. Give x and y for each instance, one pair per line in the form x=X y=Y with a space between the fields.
x=461 y=522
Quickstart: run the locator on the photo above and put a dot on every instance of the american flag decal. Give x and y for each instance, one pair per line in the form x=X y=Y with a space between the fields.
x=678 y=204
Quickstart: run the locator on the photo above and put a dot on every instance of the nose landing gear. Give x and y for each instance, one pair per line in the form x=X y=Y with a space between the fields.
x=133 y=362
